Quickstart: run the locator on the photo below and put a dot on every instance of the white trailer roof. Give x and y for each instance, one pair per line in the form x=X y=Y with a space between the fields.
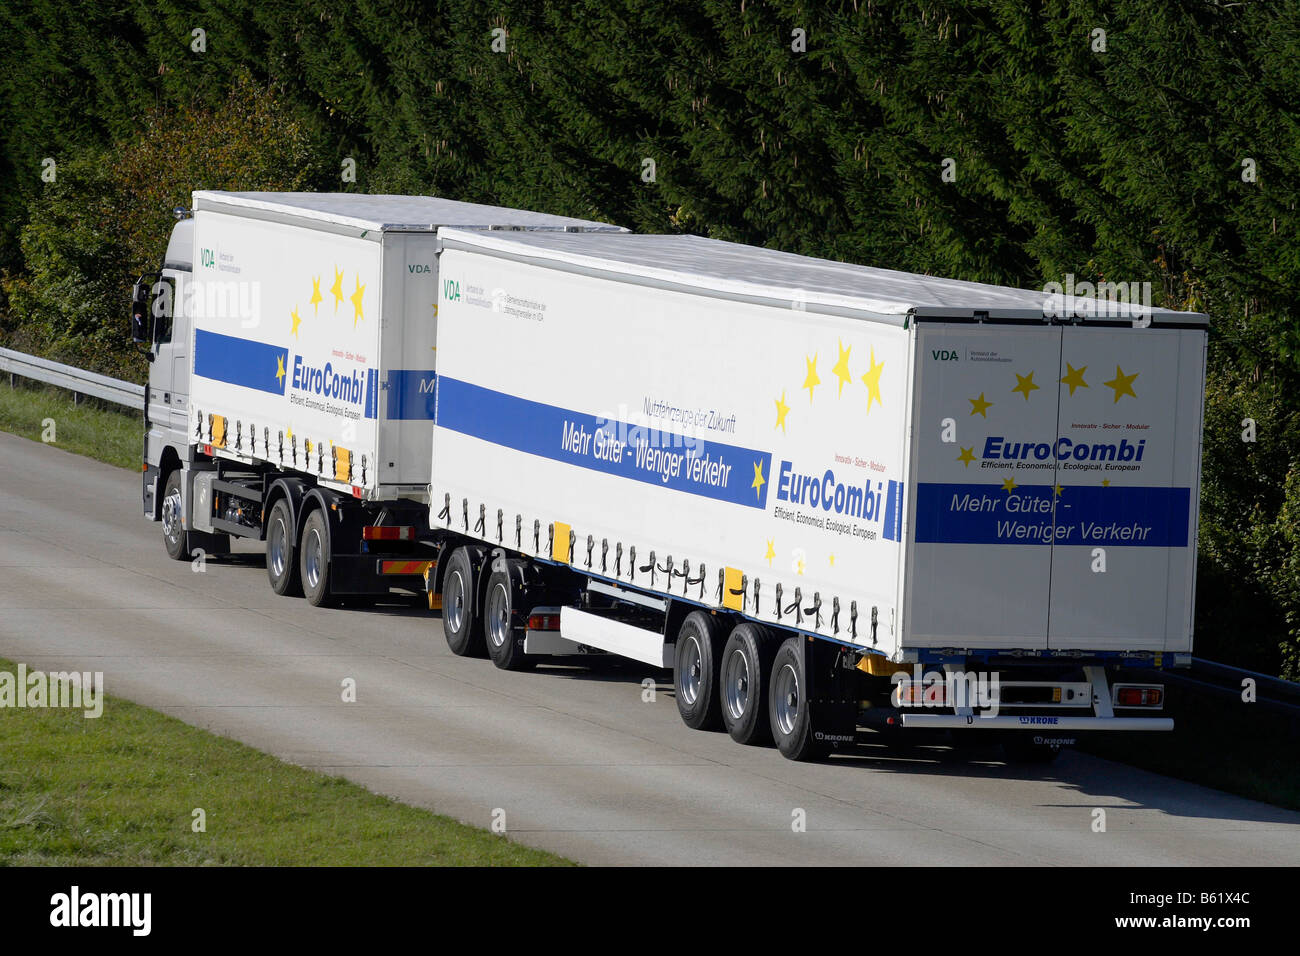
x=753 y=273
x=381 y=213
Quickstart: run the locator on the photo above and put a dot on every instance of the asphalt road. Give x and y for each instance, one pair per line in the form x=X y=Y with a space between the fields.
x=578 y=762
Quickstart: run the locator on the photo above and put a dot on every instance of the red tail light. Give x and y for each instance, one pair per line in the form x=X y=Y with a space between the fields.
x=1139 y=696
x=380 y=532
x=544 y=622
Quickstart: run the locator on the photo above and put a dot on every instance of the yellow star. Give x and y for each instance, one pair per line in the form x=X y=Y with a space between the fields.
x=315 y=294
x=1059 y=489
x=771 y=551
x=872 y=380
x=1074 y=378
x=811 y=381
x=759 y=480
x=782 y=409
x=336 y=289
x=832 y=560
x=279 y=369
x=1025 y=384
x=798 y=566
x=1121 y=383
x=978 y=406
x=967 y=456
x=841 y=368
x=1105 y=482
x=1009 y=485
x=296 y=319
x=289 y=435
x=355 y=299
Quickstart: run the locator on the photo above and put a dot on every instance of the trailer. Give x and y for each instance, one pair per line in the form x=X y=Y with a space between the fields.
x=291 y=390
x=832 y=499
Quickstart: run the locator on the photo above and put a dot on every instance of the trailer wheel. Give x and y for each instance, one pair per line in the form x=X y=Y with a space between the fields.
x=695 y=674
x=746 y=674
x=788 y=705
x=281 y=555
x=173 y=517
x=314 y=559
x=460 y=624
x=505 y=640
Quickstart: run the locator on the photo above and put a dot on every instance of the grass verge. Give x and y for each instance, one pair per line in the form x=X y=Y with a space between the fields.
x=120 y=790
x=89 y=427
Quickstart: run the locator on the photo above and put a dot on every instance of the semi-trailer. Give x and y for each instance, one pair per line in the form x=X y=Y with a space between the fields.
x=832 y=499
x=828 y=497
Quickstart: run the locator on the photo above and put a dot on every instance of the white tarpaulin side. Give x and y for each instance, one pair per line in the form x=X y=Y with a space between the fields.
x=756 y=450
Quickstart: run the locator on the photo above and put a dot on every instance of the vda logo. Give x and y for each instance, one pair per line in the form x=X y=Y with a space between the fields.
x=944 y=355
x=451 y=290
x=418 y=268
x=207 y=257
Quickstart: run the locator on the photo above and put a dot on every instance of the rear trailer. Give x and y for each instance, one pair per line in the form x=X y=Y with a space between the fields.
x=312 y=332
x=830 y=497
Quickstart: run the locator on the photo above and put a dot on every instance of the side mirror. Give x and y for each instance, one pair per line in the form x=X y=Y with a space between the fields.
x=140 y=324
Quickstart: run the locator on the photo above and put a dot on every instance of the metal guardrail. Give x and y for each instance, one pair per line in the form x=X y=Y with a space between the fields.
x=1272 y=695
x=78 y=381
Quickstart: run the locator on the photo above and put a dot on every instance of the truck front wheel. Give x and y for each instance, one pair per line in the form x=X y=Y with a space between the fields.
x=314 y=559
x=788 y=705
x=173 y=517
x=695 y=674
x=460 y=623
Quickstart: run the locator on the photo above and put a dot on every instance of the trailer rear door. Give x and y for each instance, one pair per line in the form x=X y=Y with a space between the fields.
x=1123 y=563
x=981 y=488
x=1052 y=502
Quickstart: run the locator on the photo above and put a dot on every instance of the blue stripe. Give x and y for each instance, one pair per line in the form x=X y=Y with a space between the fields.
x=372 y=393
x=721 y=472
x=893 y=512
x=411 y=393
x=227 y=358
x=1085 y=515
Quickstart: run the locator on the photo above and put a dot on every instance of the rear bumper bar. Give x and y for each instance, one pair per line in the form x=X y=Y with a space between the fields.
x=954 y=722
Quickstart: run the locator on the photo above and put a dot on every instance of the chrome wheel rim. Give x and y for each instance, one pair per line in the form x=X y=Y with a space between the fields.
x=786 y=699
x=498 y=616
x=171 y=515
x=689 y=674
x=314 y=558
x=276 y=550
x=453 y=605
x=735 y=678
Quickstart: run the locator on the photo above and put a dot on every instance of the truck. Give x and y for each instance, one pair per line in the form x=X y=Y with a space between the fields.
x=834 y=500
x=837 y=502
x=291 y=340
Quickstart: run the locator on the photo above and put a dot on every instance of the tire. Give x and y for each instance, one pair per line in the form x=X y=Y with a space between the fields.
x=502 y=635
x=1025 y=751
x=460 y=623
x=790 y=715
x=695 y=672
x=314 y=559
x=175 y=538
x=282 y=552
x=746 y=672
